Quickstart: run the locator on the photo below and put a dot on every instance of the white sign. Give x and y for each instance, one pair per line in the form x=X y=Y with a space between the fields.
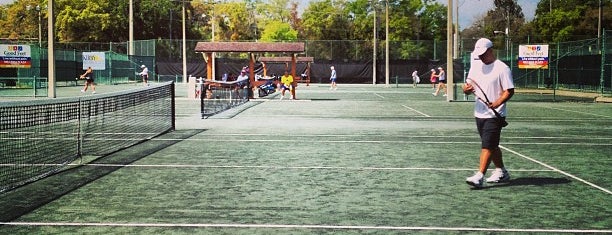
x=15 y=56
x=533 y=57
x=95 y=60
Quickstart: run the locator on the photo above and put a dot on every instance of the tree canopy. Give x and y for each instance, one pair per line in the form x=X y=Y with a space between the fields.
x=106 y=20
x=282 y=20
x=554 y=20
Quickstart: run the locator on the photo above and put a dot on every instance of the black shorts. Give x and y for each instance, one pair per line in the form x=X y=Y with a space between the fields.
x=442 y=81
x=490 y=132
x=89 y=80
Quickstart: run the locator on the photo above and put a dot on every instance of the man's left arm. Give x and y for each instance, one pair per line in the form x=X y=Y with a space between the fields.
x=505 y=96
x=507 y=84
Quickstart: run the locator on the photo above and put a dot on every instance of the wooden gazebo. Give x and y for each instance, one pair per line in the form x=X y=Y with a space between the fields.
x=287 y=60
x=208 y=48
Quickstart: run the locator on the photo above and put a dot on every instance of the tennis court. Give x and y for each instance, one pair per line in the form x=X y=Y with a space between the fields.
x=362 y=159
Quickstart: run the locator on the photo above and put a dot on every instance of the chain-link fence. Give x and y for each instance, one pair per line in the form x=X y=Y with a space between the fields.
x=579 y=65
x=119 y=66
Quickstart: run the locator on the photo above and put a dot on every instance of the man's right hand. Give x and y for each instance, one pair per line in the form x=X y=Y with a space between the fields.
x=468 y=89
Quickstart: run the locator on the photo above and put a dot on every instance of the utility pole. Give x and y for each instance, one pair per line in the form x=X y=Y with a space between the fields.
x=374 y=45
x=50 y=51
x=184 y=45
x=387 y=43
x=450 y=91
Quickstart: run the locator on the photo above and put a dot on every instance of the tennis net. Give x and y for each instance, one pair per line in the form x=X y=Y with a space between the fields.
x=217 y=99
x=39 y=137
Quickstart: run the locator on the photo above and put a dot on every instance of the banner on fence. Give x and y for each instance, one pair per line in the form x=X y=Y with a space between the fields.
x=15 y=56
x=95 y=60
x=533 y=57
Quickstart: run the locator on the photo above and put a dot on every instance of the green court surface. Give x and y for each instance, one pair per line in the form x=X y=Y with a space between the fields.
x=362 y=159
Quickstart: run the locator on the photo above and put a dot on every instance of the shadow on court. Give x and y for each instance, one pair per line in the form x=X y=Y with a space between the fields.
x=533 y=181
x=27 y=198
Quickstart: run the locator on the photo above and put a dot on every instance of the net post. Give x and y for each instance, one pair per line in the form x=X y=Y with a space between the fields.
x=80 y=131
x=173 y=104
x=204 y=93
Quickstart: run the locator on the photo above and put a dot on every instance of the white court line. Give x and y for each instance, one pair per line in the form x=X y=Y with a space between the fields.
x=311 y=226
x=290 y=167
x=379 y=95
x=374 y=141
x=406 y=136
x=271 y=167
x=416 y=111
x=574 y=111
x=573 y=143
x=288 y=100
x=557 y=170
x=74 y=133
x=333 y=141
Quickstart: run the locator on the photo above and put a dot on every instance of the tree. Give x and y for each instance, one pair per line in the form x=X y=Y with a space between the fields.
x=274 y=10
x=361 y=12
x=569 y=19
x=82 y=21
x=403 y=19
x=20 y=22
x=506 y=15
x=432 y=24
x=234 y=22
x=324 y=20
x=278 y=31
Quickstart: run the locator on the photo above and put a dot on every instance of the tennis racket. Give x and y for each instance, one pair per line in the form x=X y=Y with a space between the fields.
x=487 y=102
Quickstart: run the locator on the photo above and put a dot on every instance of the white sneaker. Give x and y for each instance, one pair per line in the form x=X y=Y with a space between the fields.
x=476 y=180
x=444 y=95
x=434 y=94
x=282 y=96
x=93 y=92
x=82 y=91
x=499 y=175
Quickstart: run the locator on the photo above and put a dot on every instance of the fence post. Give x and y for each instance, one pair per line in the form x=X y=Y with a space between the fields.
x=396 y=82
x=556 y=83
x=603 y=63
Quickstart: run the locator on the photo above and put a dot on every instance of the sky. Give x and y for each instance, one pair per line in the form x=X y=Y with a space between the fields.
x=469 y=10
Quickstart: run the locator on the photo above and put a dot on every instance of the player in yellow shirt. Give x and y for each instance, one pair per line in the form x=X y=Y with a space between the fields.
x=286 y=82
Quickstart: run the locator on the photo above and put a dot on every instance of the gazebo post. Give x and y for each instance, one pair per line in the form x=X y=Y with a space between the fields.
x=208 y=58
x=293 y=69
x=252 y=84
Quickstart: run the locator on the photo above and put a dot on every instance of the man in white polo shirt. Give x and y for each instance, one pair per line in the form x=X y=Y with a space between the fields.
x=491 y=80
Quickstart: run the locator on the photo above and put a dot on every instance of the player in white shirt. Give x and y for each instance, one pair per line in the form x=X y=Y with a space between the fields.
x=491 y=80
x=145 y=75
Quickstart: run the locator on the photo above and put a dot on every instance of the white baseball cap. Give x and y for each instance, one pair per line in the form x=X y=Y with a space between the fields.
x=143 y=66
x=481 y=46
